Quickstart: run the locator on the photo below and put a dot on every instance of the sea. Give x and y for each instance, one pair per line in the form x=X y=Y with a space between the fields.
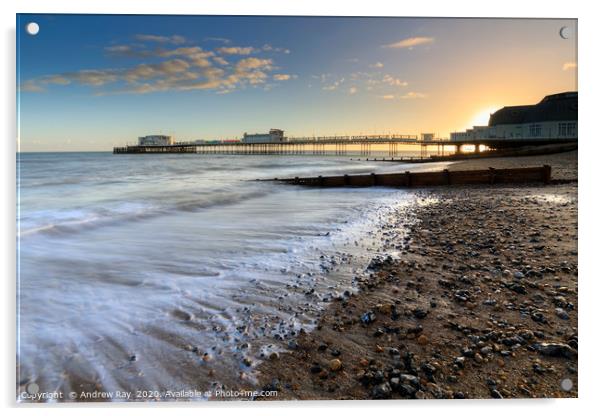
x=157 y=273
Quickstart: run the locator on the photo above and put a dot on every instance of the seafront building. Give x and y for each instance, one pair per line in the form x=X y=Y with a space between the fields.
x=155 y=140
x=274 y=136
x=554 y=117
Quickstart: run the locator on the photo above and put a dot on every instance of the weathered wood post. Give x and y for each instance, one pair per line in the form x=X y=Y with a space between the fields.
x=408 y=178
x=447 y=176
x=547 y=174
x=346 y=180
x=491 y=175
x=321 y=180
x=373 y=178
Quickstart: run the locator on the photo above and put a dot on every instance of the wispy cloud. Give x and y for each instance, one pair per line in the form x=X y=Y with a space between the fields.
x=407 y=96
x=284 y=77
x=410 y=43
x=181 y=68
x=333 y=85
x=220 y=60
x=269 y=48
x=119 y=49
x=236 y=50
x=254 y=63
x=174 y=39
x=376 y=82
x=377 y=65
x=217 y=39
x=413 y=95
x=567 y=66
x=396 y=82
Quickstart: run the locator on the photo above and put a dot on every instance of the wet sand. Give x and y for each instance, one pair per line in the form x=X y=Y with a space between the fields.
x=482 y=302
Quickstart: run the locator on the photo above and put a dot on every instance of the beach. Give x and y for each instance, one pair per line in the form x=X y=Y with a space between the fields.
x=480 y=302
x=338 y=293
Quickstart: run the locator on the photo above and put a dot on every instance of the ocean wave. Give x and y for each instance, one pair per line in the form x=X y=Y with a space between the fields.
x=73 y=221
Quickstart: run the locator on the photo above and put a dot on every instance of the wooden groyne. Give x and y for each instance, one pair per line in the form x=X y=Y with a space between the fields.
x=425 y=179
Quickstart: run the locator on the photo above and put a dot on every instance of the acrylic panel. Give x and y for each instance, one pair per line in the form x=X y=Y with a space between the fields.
x=282 y=208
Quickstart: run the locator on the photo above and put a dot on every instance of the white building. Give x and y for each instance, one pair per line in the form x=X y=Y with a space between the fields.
x=427 y=137
x=554 y=117
x=274 y=136
x=155 y=140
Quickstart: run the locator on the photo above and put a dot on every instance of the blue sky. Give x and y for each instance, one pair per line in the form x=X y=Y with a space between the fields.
x=89 y=82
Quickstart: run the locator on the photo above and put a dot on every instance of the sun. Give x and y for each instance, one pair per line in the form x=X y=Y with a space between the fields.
x=481 y=118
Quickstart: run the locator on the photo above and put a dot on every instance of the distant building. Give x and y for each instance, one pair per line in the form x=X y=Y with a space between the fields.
x=426 y=137
x=155 y=140
x=554 y=117
x=274 y=136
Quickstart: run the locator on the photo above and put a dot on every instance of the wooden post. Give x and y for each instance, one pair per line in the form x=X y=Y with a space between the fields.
x=547 y=174
x=321 y=180
x=373 y=178
x=346 y=180
x=408 y=178
x=491 y=175
x=447 y=176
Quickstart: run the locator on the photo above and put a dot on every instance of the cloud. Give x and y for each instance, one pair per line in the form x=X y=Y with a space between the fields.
x=413 y=95
x=174 y=39
x=333 y=86
x=56 y=79
x=352 y=90
x=146 y=71
x=388 y=97
x=236 y=50
x=192 y=51
x=196 y=55
x=269 y=48
x=181 y=68
x=396 y=82
x=92 y=77
x=217 y=39
x=253 y=63
x=377 y=65
x=567 y=66
x=31 y=86
x=119 y=49
x=220 y=60
x=410 y=43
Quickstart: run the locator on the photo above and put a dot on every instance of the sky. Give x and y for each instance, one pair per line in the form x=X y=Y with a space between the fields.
x=91 y=82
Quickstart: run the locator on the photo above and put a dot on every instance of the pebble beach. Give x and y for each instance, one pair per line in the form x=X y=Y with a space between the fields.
x=481 y=301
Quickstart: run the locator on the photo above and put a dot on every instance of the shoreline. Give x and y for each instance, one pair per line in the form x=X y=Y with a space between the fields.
x=482 y=302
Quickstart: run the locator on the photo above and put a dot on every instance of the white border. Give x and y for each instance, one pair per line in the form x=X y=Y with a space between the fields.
x=589 y=185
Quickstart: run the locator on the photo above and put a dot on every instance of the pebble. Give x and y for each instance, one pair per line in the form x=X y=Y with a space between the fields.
x=561 y=313
x=335 y=364
x=368 y=317
x=459 y=361
x=555 y=350
x=315 y=369
x=419 y=313
x=381 y=391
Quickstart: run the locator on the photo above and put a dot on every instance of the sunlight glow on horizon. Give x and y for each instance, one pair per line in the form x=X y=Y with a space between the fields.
x=216 y=77
x=481 y=118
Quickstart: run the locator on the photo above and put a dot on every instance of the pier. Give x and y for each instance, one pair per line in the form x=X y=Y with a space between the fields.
x=340 y=145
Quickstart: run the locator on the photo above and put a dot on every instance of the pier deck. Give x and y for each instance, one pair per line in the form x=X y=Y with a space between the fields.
x=339 y=145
